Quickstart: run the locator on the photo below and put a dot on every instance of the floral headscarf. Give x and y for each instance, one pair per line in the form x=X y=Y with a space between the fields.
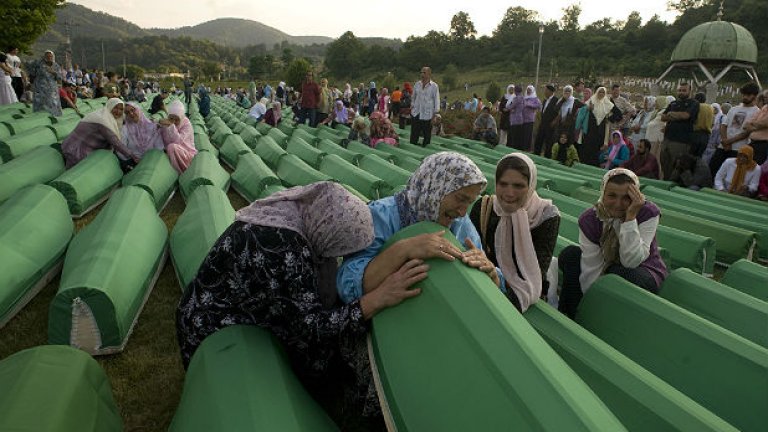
x=437 y=176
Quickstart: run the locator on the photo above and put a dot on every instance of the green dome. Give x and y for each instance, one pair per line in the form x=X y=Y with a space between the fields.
x=716 y=41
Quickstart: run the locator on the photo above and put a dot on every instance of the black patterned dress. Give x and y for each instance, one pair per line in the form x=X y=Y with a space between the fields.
x=266 y=276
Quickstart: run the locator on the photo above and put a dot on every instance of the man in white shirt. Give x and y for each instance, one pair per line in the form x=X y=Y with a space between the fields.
x=425 y=104
x=733 y=135
x=17 y=78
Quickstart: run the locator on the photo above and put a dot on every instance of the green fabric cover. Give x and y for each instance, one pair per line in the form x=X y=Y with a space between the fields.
x=459 y=357
x=40 y=165
x=250 y=136
x=358 y=148
x=397 y=151
x=87 y=182
x=415 y=149
x=262 y=127
x=408 y=164
x=203 y=143
x=392 y=174
x=725 y=373
x=233 y=147
x=717 y=196
x=729 y=308
x=63 y=129
x=30 y=121
x=329 y=136
x=749 y=278
x=204 y=169
x=269 y=151
x=220 y=135
x=639 y=399
x=295 y=172
x=331 y=147
x=110 y=265
x=285 y=125
x=240 y=380
x=154 y=174
x=303 y=134
x=280 y=138
x=343 y=171
x=562 y=183
x=269 y=190
x=16 y=145
x=306 y=152
x=207 y=215
x=56 y=389
x=252 y=176
x=35 y=228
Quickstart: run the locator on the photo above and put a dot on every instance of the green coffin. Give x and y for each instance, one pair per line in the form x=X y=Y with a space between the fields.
x=639 y=399
x=729 y=199
x=269 y=190
x=269 y=151
x=220 y=135
x=722 y=371
x=56 y=389
x=240 y=380
x=459 y=357
x=89 y=182
x=749 y=278
x=155 y=175
x=252 y=176
x=207 y=215
x=343 y=171
x=357 y=148
x=204 y=170
x=30 y=121
x=109 y=271
x=250 y=136
x=35 y=229
x=16 y=145
x=347 y=154
x=303 y=134
x=295 y=172
x=40 y=165
x=233 y=147
x=203 y=143
x=278 y=136
x=63 y=129
x=392 y=174
x=729 y=308
x=397 y=151
x=306 y=152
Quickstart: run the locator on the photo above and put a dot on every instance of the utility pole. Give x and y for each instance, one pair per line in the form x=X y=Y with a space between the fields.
x=68 y=24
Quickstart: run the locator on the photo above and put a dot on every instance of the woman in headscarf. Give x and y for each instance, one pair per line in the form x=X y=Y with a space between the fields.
x=178 y=137
x=46 y=75
x=568 y=107
x=614 y=153
x=592 y=121
x=504 y=114
x=372 y=96
x=275 y=268
x=280 y=93
x=616 y=236
x=7 y=93
x=383 y=104
x=515 y=107
x=440 y=190
x=639 y=123
x=140 y=134
x=359 y=131
x=274 y=115
x=99 y=129
x=258 y=109
x=406 y=99
x=739 y=175
x=531 y=106
x=518 y=230
x=564 y=151
x=654 y=132
x=339 y=115
x=204 y=105
x=382 y=130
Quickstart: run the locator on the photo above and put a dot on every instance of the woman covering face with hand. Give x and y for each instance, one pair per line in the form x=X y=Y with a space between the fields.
x=618 y=236
x=440 y=190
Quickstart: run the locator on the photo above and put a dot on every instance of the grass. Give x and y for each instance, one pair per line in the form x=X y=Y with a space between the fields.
x=147 y=378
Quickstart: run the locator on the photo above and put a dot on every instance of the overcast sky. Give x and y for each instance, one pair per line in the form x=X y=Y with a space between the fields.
x=391 y=19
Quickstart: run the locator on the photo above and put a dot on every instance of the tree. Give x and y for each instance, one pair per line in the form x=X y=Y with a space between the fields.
x=634 y=21
x=344 y=55
x=570 y=20
x=296 y=72
x=287 y=55
x=493 y=92
x=516 y=18
x=683 y=6
x=257 y=66
x=25 y=21
x=462 y=27
x=134 y=72
x=450 y=76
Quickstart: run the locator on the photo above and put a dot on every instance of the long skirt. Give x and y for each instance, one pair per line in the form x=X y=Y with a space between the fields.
x=180 y=156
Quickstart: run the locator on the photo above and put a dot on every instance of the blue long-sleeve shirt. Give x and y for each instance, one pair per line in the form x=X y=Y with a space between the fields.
x=386 y=222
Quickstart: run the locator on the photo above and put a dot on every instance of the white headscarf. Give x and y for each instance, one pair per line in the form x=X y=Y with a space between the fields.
x=176 y=108
x=601 y=107
x=517 y=226
x=533 y=92
x=105 y=118
x=567 y=105
x=510 y=96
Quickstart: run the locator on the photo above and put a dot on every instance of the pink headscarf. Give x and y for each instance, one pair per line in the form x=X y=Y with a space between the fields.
x=143 y=135
x=517 y=226
x=615 y=148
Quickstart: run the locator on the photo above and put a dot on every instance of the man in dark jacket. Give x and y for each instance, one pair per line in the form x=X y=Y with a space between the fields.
x=545 y=136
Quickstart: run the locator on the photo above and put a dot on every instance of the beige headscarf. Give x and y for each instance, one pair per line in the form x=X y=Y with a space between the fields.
x=601 y=108
x=517 y=226
x=609 y=239
x=105 y=118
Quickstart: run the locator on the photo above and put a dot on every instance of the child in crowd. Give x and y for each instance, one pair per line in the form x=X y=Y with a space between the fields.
x=564 y=151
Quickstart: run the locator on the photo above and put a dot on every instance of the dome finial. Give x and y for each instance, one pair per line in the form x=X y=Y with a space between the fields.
x=720 y=12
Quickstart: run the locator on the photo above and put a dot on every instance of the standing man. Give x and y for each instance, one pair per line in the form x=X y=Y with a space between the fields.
x=680 y=116
x=545 y=134
x=733 y=134
x=188 y=83
x=310 y=97
x=627 y=110
x=425 y=105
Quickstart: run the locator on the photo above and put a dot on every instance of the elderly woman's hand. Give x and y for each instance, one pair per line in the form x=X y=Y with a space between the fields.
x=475 y=257
x=395 y=288
x=432 y=245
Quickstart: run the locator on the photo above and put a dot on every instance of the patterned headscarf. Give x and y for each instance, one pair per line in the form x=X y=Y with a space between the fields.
x=437 y=176
x=609 y=239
